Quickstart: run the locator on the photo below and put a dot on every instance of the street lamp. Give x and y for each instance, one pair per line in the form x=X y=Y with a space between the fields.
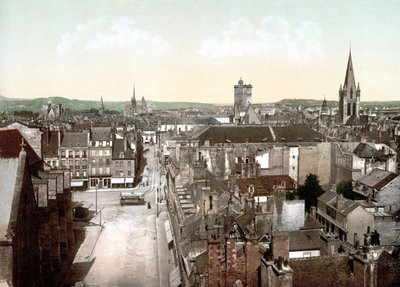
x=96 y=197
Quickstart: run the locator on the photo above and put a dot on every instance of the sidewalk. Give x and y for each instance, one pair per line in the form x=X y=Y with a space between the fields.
x=83 y=260
x=92 y=233
x=165 y=256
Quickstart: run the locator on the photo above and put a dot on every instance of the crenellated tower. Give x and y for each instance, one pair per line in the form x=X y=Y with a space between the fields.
x=242 y=98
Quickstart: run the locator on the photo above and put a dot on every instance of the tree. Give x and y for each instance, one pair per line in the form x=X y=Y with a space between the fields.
x=310 y=191
x=345 y=188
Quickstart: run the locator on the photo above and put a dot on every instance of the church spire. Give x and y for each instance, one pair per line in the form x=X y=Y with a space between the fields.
x=349 y=80
x=133 y=99
x=101 y=106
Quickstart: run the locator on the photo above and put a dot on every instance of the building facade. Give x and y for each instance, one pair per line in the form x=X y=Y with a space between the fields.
x=74 y=154
x=101 y=142
x=123 y=164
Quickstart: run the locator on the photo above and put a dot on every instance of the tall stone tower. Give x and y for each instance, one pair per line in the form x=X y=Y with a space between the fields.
x=242 y=98
x=349 y=95
x=133 y=100
x=101 y=107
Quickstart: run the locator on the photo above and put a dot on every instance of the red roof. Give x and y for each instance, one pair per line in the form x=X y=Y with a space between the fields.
x=10 y=146
x=265 y=185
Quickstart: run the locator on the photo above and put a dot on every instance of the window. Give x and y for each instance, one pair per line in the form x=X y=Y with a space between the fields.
x=100 y=162
x=77 y=173
x=63 y=153
x=129 y=163
x=94 y=182
x=121 y=173
x=129 y=173
x=107 y=162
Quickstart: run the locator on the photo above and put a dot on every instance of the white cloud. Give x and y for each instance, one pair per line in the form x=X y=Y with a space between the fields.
x=272 y=38
x=100 y=35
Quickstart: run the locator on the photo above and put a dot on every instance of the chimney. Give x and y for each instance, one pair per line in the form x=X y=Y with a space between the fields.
x=313 y=212
x=367 y=237
x=355 y=240
x=280 y=245
x=280 y=263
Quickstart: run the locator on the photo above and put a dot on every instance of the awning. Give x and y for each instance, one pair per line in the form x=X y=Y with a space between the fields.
x=129 y=180
x=118 y=180
x=168 y=232
x=76 y=183
x=175 y=277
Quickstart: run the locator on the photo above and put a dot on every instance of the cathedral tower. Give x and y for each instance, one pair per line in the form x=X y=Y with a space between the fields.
x=133 y=100
x=101 y=107
x=349 y=95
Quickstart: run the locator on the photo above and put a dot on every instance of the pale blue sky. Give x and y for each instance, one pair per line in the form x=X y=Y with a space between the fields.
x=197 y=50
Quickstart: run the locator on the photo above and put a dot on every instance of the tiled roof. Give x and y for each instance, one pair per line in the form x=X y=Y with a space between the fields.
x=377 y=178
x=257 y=134
x=10 y=146
x=266 y=184
x=366 y=150
x=341 y=204
x=236 y=134
x=356 y=121
x=311 y=223
x=295 y=134
x=119 y=147
x=324 y=271
x=75 y=140
x=244 y=221
x=302 y=240
x=101 y=134
x=388 y=270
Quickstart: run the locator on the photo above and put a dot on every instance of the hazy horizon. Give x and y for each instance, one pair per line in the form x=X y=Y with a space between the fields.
x=196 y=51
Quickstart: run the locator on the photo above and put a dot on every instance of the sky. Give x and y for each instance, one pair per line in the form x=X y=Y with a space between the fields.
x=196 y=51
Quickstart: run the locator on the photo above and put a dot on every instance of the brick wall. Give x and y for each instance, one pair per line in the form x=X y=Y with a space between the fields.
x=214 y=264
x=280 y=245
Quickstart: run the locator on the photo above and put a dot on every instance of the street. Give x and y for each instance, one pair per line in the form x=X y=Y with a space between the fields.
x=124 y=244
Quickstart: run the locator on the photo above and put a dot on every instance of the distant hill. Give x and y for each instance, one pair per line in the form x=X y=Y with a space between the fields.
x=308 y=103
x=35 y=105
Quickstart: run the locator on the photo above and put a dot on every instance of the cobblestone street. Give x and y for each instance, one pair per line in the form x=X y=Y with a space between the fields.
x=124 y=245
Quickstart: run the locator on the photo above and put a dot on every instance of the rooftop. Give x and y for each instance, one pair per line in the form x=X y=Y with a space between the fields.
x=10 y=146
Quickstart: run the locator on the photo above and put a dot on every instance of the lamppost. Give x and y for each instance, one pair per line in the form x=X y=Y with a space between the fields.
x=96 y=197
